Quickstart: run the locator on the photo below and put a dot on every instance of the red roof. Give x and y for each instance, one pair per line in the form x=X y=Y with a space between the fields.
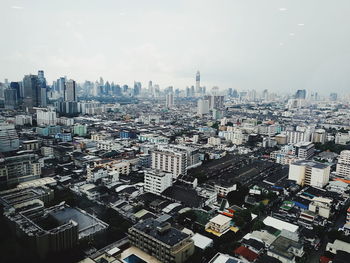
x=246 y=253
x=324 y=259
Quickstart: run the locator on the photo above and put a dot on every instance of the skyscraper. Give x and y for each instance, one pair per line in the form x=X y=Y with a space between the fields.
x=169 y=100
x=32 y=92
x=10 y=98
x=70 y=91
x=17 y=87
x=42 y=88
x=198 y=81
x=137 y=88
x=61 y=82
x=300 y=94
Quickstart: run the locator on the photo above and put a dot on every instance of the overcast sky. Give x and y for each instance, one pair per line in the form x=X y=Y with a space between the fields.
x=242 y=44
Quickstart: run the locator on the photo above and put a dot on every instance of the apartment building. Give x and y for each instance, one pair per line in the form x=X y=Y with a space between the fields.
x=19 y=168
x=309 y=173
x=169 y=160
x=157 y=238
x=303 y=150
x=343 y=165
x=156 y=181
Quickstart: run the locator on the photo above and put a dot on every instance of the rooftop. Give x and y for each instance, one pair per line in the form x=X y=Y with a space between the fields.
x=151 y=227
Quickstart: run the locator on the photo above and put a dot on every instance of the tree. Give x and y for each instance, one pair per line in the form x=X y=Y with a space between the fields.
x=237 y=197
x=258 y=225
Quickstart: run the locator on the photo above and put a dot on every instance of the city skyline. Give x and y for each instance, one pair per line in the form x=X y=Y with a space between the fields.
x=275 y=45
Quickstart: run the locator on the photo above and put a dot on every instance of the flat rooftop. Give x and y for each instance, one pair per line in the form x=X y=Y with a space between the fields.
x=87 y=224
x=171 y=236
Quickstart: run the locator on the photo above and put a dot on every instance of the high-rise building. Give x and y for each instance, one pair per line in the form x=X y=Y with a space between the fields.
x=137 y=88
x=202 y=107
x=8 y=138
x=343 y=165
x=11 y=99
x=216 y=101
x=32 y=91
x=309 y=173
x=198 y=81
x=158 y=238
x=169 y=100
x=46 y=117
x=157 y=181
x=42 y=88
x=171 y=161
x=333 y=96
x=17 y=87
x=300 y=94
x=70 y=91
x=60 y=85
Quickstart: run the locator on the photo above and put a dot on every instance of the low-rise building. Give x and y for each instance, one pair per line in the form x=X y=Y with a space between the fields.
x=159 y=239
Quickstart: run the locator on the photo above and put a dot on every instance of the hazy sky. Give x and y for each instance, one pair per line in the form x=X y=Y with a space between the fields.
x=242 y=44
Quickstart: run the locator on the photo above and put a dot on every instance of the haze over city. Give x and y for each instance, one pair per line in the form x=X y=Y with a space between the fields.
x=276 y=45
x=175 y=131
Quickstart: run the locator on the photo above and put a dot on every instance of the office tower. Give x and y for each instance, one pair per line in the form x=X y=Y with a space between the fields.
x=333 y=97
x=192 y=91
x=202 y=107
x=198 y=81
x=156 y=181
x=309 y=173
x=17 y=87
x=170 y=160
x=265 y=95
x=70 y=91
x=32 y=92
x=107 y=88
x=187 y=92
x=300 y=94
x=61 y=82
x=159 y=239
x=8 y=138
x=11 y=100
x=46 y=117
x=42 y=88
x=235 y=93
x=169 y=100
x=137 y=88
x=343 y=165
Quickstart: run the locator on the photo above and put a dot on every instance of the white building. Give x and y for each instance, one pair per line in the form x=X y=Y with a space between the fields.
x=171 y=161
x=343 y=165
x=23 y=120
x=303 y=150
x=295 y=136
x=46 y=117
x=309 y=173
x=108 y=145
x=202 y=107
x=214 y=141
x=169 y=100
x=219 y=224
x=157 y=181
x=46 y=151
x=342 y=138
